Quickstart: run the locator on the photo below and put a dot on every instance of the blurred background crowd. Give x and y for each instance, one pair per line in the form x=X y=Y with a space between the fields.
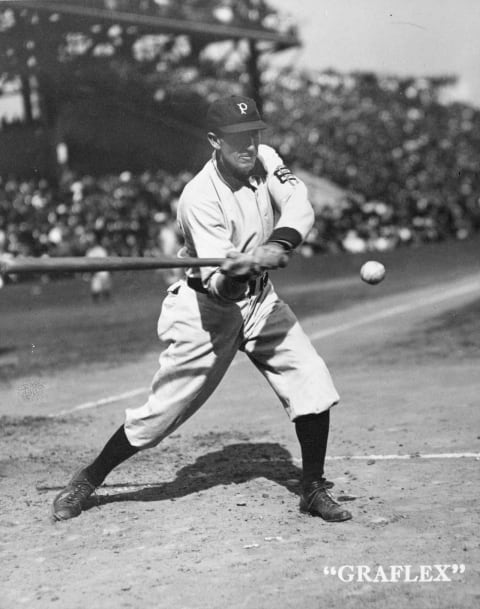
x=389 y=160
x=130 y=215
x=406 y=158
x=403 y=162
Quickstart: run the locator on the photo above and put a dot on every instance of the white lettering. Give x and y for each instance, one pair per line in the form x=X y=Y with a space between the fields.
x=426 y=573
x=442 y=576
x=395 y=572
x=363 y=573
x=242 y=107
x=349 y=576
x=407 y=574
x=380 y=575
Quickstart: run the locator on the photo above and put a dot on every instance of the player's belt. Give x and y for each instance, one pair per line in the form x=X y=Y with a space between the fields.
x=254 y=286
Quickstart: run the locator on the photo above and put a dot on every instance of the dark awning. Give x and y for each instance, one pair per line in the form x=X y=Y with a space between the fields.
x=156 y=23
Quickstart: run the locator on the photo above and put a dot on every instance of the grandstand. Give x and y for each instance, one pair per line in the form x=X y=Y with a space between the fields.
x=388 y=162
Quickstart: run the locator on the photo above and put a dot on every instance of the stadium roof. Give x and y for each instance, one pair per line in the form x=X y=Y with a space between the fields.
x=125 y=13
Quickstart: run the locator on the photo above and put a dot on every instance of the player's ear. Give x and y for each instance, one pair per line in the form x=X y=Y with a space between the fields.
x=214 y=140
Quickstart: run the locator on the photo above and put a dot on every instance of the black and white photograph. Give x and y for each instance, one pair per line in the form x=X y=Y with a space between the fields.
x=239 y=304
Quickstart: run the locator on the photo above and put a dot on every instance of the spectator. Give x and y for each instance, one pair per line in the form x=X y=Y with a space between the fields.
x=100 y=282
x=407 y=162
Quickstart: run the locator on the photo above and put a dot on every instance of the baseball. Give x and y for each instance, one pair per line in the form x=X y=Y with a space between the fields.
x=372 y=272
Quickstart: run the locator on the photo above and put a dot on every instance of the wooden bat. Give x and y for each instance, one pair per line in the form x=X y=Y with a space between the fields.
x=21 y=265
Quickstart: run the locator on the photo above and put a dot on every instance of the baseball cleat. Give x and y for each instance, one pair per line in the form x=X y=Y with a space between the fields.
x=317 y=501
x=70 y=501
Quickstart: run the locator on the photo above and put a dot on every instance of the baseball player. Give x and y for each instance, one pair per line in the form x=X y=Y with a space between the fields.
x=247 y=207
x=101 y=281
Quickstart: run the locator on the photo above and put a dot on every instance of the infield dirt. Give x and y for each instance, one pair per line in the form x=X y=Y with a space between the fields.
x=210 y=518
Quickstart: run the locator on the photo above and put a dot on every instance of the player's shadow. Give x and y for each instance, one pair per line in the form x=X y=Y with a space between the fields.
x=233 y=464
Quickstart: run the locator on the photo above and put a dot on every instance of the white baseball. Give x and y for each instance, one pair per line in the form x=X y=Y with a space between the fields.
x=372 y=272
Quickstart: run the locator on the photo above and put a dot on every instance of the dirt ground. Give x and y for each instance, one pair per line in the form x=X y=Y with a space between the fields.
x=209 y=519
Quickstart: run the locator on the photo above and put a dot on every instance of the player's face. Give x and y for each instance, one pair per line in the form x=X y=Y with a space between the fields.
x=239 y=151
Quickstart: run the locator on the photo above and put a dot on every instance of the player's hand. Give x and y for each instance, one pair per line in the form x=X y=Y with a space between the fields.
x=240 y=267
x=270 y=256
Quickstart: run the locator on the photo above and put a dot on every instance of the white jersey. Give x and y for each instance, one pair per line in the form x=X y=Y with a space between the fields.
x=97 y=251
x=101 y=281
x=218 y=214
x=201 y=334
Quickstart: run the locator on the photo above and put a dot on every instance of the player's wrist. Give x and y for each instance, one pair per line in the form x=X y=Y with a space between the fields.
x=281 y=246
x=288 y=237
x=271 y=256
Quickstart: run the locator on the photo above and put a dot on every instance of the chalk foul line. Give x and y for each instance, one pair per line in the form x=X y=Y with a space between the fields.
x=413 y=456
x=133 y=485
x=102 y=402
x=438 y=297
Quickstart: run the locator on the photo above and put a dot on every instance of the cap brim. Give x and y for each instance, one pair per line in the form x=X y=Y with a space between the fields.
x=241 y=127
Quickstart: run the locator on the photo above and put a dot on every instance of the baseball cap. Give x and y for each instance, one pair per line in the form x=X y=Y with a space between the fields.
x=234 y=114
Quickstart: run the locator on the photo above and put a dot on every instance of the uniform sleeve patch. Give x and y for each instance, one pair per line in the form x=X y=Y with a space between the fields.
x=283 y=174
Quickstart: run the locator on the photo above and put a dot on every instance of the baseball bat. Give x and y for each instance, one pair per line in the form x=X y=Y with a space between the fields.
x=21 y=265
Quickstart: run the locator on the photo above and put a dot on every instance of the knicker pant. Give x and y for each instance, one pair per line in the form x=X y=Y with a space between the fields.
x=200 y=339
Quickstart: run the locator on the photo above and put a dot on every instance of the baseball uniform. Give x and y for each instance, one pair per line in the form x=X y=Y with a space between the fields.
x=247 y=208
x=100 y=282
x=201 y=332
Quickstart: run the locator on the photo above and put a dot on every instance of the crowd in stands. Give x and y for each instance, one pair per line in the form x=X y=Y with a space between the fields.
x=407 y=162
x=129 y=215
x=408 y=159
